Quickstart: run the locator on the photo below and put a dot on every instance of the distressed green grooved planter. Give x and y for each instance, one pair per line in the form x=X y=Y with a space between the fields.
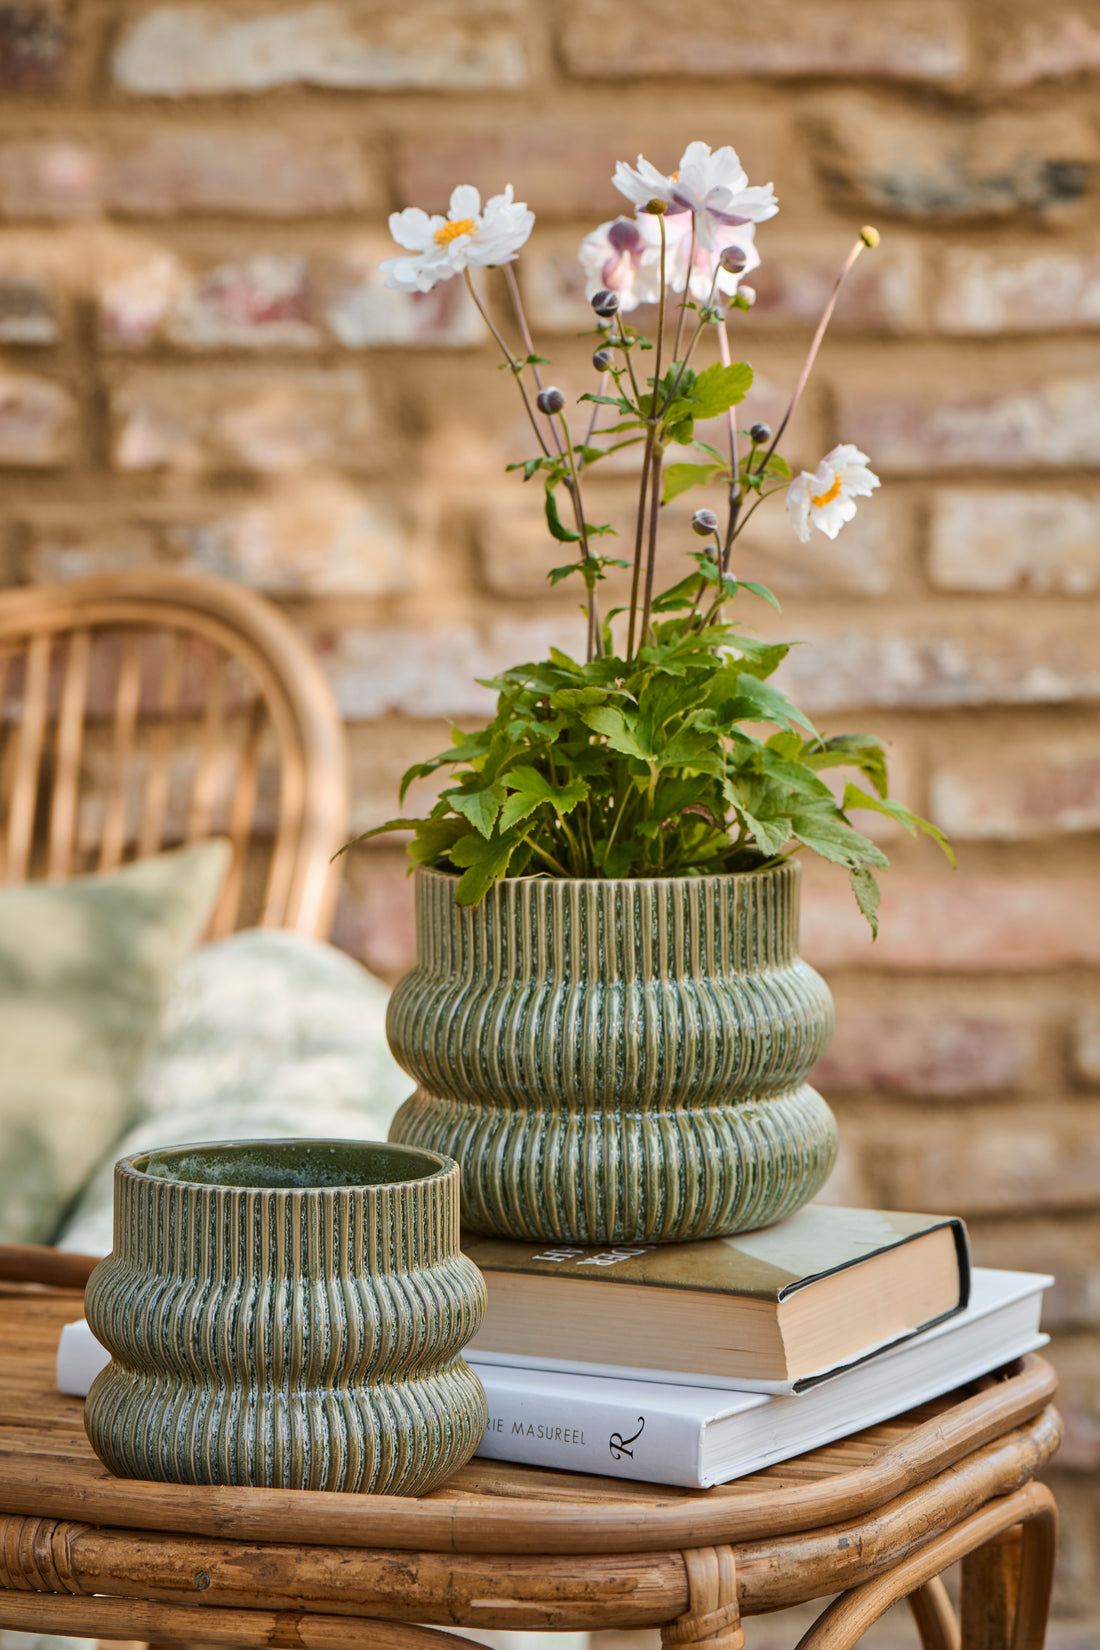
x=288 y=1314
x=617 y=1060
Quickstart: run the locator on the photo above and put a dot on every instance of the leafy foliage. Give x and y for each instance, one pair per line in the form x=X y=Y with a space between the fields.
x=686 y=761
x=676 y=755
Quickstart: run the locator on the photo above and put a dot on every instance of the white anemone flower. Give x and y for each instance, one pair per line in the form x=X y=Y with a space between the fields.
x=443 y=247
x=625 y=257
x=714 y=187
x=705 y=261
x=826 y=498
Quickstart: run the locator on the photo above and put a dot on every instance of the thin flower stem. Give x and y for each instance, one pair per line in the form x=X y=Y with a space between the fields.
x=690 y=349
x=651 y=563
x=615 y=826
x=512 y=363
x=687 y=292
x=639 y=541
x=735 y=490
x=590 y=432
x=814 y=347
x=521 y=317
x=595 y=634
x=629 y=362
x=660 y=323
x=549 y=858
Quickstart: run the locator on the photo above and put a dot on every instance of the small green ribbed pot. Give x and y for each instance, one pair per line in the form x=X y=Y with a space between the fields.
x=286 y=1313
x=617 y=1061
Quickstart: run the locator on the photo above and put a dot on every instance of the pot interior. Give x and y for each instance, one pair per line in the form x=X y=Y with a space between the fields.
x=290 y=1165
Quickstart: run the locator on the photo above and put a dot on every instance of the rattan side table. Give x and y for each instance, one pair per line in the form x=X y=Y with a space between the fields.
x=874 y=1518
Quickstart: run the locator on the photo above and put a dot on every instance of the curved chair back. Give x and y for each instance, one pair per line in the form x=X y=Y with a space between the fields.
x=143 y=710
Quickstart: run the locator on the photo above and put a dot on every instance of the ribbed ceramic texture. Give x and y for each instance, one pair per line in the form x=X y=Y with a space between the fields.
x=298 y=1339
x=617 y=1060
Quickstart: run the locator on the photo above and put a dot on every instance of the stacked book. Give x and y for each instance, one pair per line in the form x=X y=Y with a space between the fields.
x=696 y=1363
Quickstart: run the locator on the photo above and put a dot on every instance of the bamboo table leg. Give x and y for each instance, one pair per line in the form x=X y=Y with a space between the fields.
x=713 y=1617
x=990 y=1584
x=849 y=1616
x=935 y=1616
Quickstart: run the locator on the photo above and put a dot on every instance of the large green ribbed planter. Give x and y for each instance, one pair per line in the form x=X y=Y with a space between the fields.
x=617 y=1060
x=286 y=1313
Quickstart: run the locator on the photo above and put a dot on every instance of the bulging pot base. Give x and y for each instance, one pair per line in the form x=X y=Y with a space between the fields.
x=621 y=1177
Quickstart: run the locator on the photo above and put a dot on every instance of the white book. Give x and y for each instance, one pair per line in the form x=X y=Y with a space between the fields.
x=698 y=1436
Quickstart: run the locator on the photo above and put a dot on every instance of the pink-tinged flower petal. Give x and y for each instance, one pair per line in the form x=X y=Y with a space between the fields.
x=413 y=228
x=465 y=203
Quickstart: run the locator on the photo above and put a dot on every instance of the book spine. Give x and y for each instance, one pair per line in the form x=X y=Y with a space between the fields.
x=607 y=1436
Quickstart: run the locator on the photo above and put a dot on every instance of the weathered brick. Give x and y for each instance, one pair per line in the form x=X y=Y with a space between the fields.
x=930 y=662
x=516 y=551
x=308 y=536
x=1052 y=422
x=28 y=311
x=961 y=923
x=358 y=310
x=1015 y=540
x=431 y=671
x=1079 y=1407
x=34 y=46
x=262 y=174
x=375 y=919
x=49 y=178
x=792 y=285
x=276 y=301
x=1065 y=1248
x=1086 y=1048
x=1017 y=290
x=936 y=1052
x=897 y=39
x=37 y=422
x=925 y=164
x=1034 y=788
x=992 y=1167
x=563 y=168
x=1055 y=47
x=379 y=755
x=201 y=51
x=241 y=418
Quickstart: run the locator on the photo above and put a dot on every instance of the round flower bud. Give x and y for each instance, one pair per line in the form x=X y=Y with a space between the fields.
x=656 y=208
x=605 y=302
x=733 y=259
x=704 y=522
x=760 y=433
x=550 y=400
x=603 y=360
x=869 y=235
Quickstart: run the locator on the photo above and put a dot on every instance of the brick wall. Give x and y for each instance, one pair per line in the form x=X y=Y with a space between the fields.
x=201 y=369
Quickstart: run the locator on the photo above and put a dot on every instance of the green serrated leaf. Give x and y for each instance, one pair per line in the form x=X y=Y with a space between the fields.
x=855 y=798
x=556 y=574
x=484 y=861
x=480 y=806
x=866 y=890
x=679 y=477
x=763 y=591
x=620 y=735
x=773 y=705
x=836 y=841
x=531 y=789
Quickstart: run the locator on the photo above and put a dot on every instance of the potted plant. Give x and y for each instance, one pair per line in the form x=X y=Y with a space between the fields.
x=609 y=1023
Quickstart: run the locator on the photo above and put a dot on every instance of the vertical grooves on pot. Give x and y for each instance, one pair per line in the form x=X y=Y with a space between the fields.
x=284 y=1337
x=614 y=1060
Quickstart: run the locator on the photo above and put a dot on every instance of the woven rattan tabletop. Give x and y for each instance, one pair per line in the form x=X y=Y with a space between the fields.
x=47 y=1468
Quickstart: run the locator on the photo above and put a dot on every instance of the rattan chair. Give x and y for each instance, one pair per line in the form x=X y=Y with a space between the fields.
x=139 y=710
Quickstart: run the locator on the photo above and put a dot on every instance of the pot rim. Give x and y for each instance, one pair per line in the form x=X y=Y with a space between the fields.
x=438 y=1168
x=544 y=878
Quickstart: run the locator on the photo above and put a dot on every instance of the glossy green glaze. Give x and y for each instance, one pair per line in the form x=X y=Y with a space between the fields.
x=289 y=1314
x=617 y=1060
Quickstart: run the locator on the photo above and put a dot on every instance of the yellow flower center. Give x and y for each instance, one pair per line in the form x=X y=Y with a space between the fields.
x=827 y=498
x=449 y=232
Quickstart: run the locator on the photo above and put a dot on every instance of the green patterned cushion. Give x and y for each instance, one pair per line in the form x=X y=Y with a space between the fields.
x=86 y=968
x=268 y=1034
